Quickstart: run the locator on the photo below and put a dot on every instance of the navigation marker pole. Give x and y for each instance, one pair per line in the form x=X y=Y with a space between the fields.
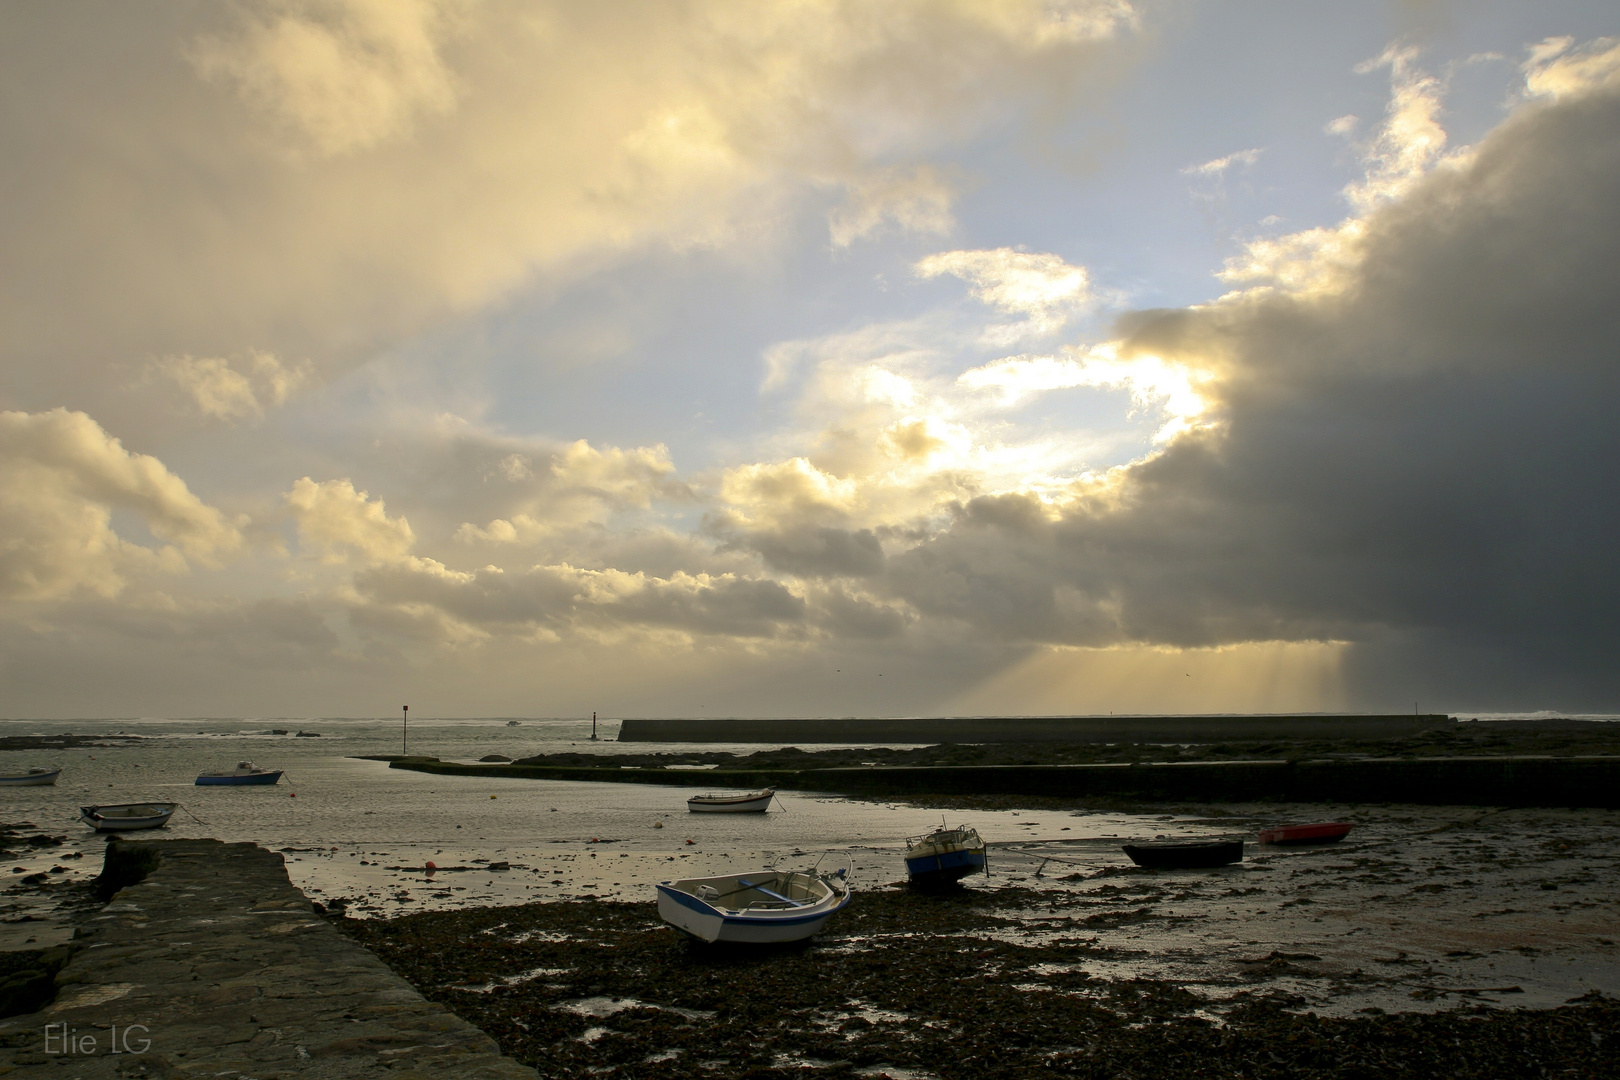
x=593 y=727
x=405 y=731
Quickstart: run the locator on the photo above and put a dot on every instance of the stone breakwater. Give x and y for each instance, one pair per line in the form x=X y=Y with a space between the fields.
x=1069 y=729
x=213 y=964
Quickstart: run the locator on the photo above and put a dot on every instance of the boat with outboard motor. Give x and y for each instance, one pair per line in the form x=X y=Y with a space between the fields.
x=38 y=776
x=245 y=773
x=945 y=855
x=757 y=907
x=126 y=817
x=754 y=802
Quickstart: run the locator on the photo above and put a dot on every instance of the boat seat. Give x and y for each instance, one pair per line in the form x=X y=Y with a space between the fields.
x=773 y=895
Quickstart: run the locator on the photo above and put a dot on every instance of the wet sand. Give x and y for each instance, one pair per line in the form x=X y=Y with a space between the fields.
x=1432 y=942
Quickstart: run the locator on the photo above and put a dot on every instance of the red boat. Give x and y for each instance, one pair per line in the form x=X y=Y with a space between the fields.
x=1326 y=832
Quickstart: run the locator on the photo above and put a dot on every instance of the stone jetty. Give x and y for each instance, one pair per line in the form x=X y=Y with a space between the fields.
x=213 y=964
x=1064 y=729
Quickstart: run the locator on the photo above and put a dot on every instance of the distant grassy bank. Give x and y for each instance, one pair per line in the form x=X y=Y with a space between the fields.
x=1557 y=764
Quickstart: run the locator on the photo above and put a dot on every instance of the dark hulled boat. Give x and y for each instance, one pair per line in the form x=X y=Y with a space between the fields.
x=1185 y=854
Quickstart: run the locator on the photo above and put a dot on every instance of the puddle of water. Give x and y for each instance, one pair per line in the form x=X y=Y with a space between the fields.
x=598 y=1007
x=511 y=980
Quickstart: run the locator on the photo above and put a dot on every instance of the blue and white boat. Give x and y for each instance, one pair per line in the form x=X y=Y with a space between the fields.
x=245 y=773
x=758 y=907
x=944 y=856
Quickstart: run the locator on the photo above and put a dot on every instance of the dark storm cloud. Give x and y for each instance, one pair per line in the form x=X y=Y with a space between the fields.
x=1424 y=462
x=815 y=551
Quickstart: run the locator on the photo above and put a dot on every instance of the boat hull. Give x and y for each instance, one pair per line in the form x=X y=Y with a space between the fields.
x=711 y=921
x=127 y=817
x=244 y=780
x=1326 y=832
x=946 y=867
x=1189 y=855
x=945 y=856
x=30 y=779
x=753 y=803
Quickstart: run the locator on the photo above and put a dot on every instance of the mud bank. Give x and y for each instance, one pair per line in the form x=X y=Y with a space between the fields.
x=1443 y=946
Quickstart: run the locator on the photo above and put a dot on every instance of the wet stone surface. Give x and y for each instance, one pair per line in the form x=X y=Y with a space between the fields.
x=216 y=966
x=1438 y=944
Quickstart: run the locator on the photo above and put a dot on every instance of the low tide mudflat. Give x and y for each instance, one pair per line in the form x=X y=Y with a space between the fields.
x=1432 y=943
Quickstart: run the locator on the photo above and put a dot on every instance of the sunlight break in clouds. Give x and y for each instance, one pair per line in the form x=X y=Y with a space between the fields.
x=1043 y=288
x=1153 y=382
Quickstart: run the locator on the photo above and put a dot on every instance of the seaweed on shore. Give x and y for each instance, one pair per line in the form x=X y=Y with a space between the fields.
x=920 y=985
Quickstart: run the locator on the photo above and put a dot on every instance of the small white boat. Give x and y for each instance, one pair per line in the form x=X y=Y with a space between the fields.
x=945 y=855
x=758 y=907
x=245 y=773
x=38 y=776
x=125 y=817
x=754 y=802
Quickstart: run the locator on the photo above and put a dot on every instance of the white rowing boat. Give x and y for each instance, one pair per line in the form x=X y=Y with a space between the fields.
x=754 y=802
x=126 y=817
x=38 y=776
x=757 y=907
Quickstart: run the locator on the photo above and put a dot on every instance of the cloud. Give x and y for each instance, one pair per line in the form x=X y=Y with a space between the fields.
x=1407 y=459
x=555 y=493
x=547 y=601
x=1558 y=68
x=1043 y=288
x=221 y=390
x=341 y=523
x=343 y=74
x=1152 y=381
x=62 y=478
x=917 y=201
x=1218 y=167
x=324 y=177
x=1406 y=147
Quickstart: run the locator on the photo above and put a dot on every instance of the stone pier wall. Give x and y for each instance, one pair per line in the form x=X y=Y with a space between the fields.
x=215 y=965
x=1066 y=729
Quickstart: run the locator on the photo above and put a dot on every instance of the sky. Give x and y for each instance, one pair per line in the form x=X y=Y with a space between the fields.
x=808 y=357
